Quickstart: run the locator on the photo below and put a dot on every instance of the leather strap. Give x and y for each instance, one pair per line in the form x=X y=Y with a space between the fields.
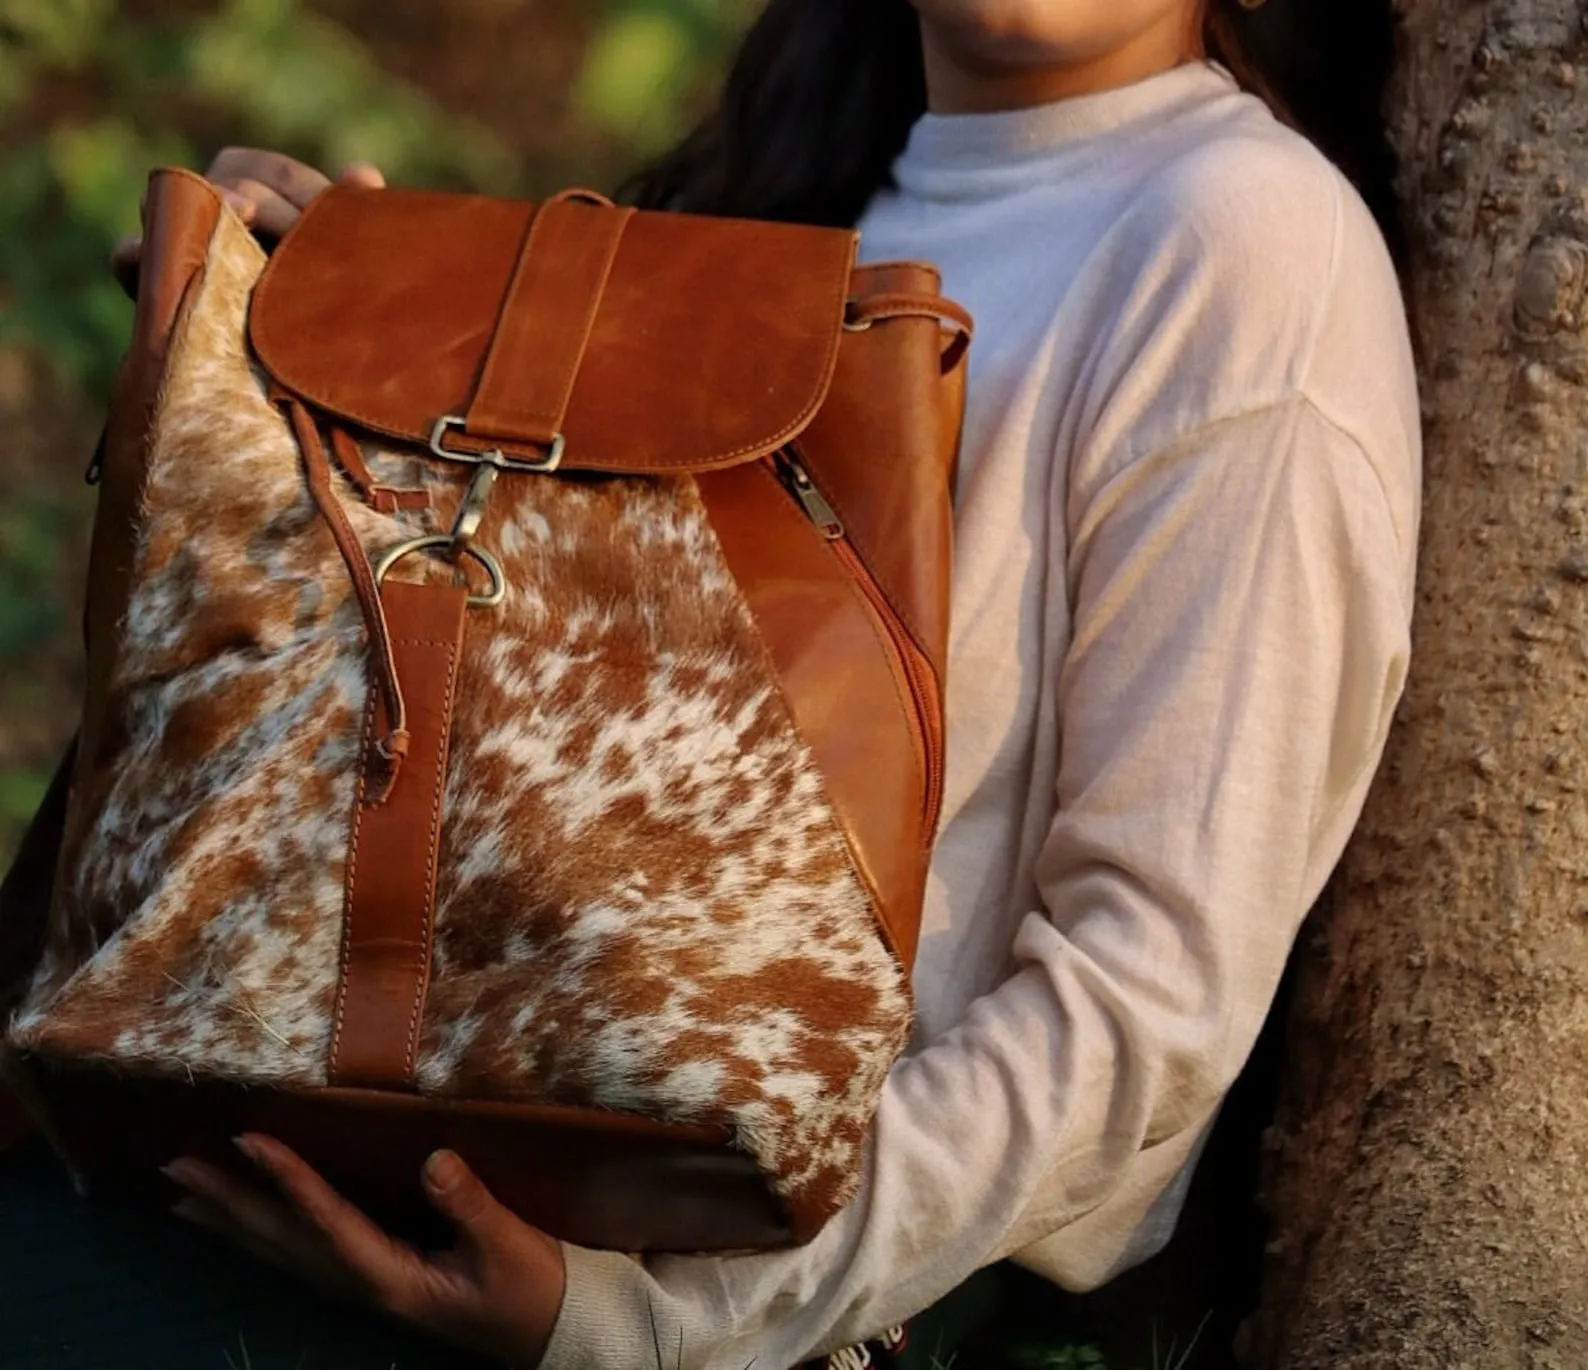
x=389 y=904
x=862 y=313
x=545 y=323
x=385 y=750
x=385 y=499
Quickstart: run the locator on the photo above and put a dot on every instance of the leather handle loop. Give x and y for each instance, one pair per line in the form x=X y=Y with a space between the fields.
x=589 y=197
x=861 y=313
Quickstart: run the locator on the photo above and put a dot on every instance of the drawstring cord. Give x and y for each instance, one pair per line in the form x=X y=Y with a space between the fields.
x=388 y=751
x=384 y=499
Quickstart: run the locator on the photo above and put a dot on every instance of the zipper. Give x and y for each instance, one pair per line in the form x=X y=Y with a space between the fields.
x=901 y=648
x=803 y=488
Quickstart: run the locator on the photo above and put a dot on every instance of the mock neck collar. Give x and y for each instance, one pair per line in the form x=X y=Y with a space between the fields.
x=949 y=155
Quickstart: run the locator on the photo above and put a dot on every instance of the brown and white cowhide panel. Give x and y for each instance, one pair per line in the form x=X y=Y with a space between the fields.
x=199 y=932
x=645 y=903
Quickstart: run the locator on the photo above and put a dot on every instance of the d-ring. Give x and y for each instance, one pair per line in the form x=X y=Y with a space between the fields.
x=493 y=567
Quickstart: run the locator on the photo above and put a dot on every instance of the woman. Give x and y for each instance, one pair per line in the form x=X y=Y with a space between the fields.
x=1187 y=517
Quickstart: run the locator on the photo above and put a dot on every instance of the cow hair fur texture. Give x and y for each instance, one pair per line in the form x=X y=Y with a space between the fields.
x=644 y=901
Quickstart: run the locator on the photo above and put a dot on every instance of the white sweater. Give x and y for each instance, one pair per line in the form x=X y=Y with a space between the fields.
x=1187 y=516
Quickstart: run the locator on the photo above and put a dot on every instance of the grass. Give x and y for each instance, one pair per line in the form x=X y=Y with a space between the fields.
x=1072 y=1357
x=242 y=1349
x=656 y=1342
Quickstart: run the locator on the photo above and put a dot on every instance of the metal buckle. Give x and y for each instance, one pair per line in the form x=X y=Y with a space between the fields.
x=495 y=456
x=493 y=567
x=471 y=508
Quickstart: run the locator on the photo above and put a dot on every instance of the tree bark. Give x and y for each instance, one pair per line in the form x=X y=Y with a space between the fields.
x=1428 y=1172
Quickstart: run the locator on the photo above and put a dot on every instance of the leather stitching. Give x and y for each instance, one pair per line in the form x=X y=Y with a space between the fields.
x=350 y=882
x=553 y=418
x=422 y=967
x=265 y=344
x=917 y=637
x=881 y=908
x=588 y=322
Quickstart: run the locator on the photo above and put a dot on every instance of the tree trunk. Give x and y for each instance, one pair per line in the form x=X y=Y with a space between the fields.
x=1429 y=1169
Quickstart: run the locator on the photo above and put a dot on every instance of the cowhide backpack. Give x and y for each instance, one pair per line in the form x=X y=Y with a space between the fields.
x=515 y=642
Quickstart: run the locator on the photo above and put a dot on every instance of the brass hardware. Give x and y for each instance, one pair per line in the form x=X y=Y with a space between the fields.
x=493 y=567
x=495 y=457
x=815 y=504
x=471 y=511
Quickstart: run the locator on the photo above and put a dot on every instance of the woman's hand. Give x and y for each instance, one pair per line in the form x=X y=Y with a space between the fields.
x=498 y=1290
x=267 y=190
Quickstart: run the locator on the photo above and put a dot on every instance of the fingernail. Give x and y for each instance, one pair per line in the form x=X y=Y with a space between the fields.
x=238 y=204
x=443 y=1169
x=178 y=1172
x=362 y=173
x=248 y=1149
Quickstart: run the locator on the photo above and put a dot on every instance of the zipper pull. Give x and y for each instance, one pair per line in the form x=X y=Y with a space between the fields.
x=815 y=504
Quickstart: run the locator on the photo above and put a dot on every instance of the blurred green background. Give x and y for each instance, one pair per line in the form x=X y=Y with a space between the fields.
x=507 y=96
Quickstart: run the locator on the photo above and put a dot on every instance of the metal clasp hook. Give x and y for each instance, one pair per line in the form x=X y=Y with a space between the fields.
x=471 y=511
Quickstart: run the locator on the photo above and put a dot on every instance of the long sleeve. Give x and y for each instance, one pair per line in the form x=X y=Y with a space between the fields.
x=1238 y=636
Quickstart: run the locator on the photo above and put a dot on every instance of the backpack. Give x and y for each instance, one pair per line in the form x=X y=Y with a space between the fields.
x=515 y=644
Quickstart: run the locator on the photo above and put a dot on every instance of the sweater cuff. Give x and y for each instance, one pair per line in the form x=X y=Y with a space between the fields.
x=604 y=1322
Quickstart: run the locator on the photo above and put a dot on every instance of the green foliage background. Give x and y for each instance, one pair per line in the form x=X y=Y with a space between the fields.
x=507 y=96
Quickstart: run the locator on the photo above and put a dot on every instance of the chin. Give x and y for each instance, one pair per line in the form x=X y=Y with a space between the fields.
x=1043 y=32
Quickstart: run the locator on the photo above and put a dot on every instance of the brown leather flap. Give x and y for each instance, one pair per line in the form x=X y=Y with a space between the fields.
x=713 y=340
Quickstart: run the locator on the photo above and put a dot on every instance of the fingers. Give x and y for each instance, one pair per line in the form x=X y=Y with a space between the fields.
x=213 y=1217
x=344 y=1228
x=222 y=1203
x=270 y=191
x=293 y=181
x=460 y=1196
x=510 y=1276
x=263 y=209
x=125 y=260
x=303 y=1186
x=364 y=174
x=273 y=1230
x=499 y=1290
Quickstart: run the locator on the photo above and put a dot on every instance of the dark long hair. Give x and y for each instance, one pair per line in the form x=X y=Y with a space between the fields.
x=822 y=96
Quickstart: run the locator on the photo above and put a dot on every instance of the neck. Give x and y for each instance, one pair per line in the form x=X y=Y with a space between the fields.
x=961 y=80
